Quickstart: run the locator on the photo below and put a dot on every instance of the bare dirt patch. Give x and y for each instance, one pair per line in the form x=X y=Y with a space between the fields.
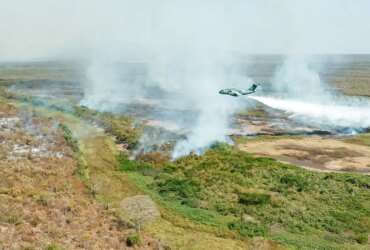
x=319 y=153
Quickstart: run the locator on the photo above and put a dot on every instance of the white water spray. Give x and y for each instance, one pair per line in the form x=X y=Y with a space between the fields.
x=299 y=91
x=345 y=112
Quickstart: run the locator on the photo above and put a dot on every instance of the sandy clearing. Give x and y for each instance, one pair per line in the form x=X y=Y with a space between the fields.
x=316 y=153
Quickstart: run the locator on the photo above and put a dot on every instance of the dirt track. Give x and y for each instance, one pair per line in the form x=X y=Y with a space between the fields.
x=316 y=153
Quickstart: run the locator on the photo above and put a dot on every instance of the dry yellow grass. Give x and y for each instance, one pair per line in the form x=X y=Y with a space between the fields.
x=43 y=203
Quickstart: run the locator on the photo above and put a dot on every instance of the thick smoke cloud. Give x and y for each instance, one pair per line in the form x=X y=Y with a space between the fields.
x=188 y=87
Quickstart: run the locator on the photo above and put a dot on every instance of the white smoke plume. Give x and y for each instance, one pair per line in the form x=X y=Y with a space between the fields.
x=190 y=86
x=298 y=90
x=296 y=78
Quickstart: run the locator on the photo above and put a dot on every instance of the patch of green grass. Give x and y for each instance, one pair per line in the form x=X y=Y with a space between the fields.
x=294 y=180
x=82 y=170
x=254 y=198
x=248 y=229
x=245 y=139
x=68 y=137
x=361 y=139
x=53 y=247
x=283 y=202
x=199 y=215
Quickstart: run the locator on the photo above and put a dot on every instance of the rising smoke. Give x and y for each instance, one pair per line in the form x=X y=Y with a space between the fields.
x=190 y=88
x=296 y=79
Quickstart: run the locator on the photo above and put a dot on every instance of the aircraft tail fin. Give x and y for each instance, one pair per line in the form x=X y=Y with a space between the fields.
x=253 y=87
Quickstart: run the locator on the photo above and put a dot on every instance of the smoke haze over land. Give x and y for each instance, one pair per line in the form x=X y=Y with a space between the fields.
x=187 y=50
x=119 y=29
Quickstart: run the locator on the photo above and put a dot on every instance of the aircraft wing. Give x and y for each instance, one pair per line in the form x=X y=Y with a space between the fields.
x=251 y=90
x=243 y=92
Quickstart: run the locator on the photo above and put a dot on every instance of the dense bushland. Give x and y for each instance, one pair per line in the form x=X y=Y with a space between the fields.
x=256 y=196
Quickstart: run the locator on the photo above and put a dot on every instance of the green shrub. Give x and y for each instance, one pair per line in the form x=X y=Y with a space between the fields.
x=121 y=127
x=296 y=181
x=191 y=202
x=126 y=164
x=248 y=229
x=221 y=146
x=84 y=112
x=133 y=240
x=254 y=198
x=362 y=238
x=222 y=208
x=68 y=137
x=181 y=188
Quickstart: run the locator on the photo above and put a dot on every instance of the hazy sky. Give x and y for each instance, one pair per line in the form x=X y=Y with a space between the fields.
x=83 y=28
